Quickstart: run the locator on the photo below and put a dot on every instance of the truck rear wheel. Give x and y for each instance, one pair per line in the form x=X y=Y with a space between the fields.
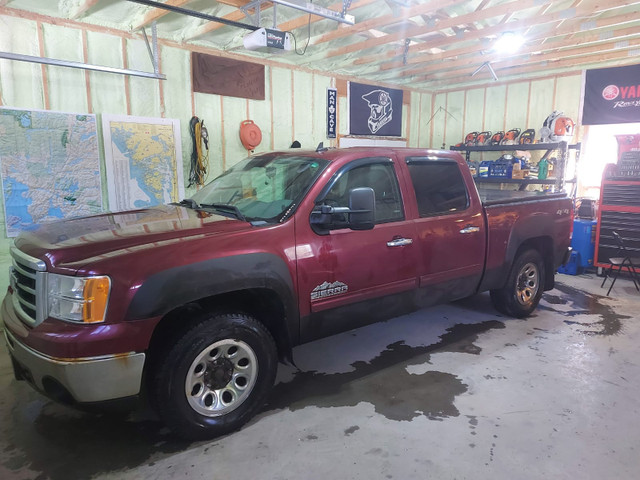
x=522 y=292
x=216 y=375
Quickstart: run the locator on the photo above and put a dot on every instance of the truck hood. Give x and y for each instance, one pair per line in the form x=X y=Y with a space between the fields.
x=70 y=244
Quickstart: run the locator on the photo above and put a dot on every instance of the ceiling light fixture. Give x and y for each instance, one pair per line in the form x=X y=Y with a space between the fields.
x=508 y=42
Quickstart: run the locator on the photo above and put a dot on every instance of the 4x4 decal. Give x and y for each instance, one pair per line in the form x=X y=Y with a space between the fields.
x=328 y=290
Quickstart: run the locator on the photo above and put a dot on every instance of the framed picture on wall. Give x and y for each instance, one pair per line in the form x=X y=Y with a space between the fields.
x=374 y=110
x=50 y=167
x=143 y=158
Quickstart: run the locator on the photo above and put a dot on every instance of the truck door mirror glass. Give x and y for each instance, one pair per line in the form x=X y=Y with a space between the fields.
x=359 y=215
x=362 y=203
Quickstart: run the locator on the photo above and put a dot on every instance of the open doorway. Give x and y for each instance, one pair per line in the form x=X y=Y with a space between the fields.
x=600 y=148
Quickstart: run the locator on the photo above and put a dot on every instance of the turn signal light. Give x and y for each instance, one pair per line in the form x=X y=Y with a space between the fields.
x=96 y=295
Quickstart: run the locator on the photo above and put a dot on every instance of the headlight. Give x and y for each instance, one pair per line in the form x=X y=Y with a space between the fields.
x=78 y=299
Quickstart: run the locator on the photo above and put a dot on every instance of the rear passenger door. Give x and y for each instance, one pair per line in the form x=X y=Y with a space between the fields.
x=450 y=230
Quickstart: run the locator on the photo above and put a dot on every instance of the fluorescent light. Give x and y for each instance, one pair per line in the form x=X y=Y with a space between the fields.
x=508 y=42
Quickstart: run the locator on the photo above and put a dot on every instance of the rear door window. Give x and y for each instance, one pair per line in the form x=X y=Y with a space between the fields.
x=439 y=186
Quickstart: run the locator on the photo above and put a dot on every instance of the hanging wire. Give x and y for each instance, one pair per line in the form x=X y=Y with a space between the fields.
x=295 y=41
x=199 y=156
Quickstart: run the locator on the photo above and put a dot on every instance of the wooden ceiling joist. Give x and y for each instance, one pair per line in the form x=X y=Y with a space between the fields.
x=586 y=43
x=386 y=20
x=541 y=20
x=551 y=60
x=287 y=26
x=80 y=9
x=625 y=23
x=429 y=43
x=303 y=20
x=155 y=14
x=529 y=72
x=442 y=25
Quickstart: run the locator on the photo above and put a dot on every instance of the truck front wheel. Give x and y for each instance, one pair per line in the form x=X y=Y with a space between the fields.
x=216 y=375
x=522 y=292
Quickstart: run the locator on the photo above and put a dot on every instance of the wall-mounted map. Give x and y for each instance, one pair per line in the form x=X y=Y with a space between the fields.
x=50 y=167
x=143 y=161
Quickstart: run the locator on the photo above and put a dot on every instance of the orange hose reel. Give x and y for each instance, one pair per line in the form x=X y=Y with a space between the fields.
x=250 y=134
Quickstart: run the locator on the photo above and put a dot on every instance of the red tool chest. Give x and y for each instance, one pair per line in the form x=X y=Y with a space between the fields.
x=619 y=208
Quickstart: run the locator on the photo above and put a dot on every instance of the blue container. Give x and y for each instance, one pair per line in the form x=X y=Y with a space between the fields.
x=501 y=168
x=583 y=241
x=483 y=168
x=571 y=268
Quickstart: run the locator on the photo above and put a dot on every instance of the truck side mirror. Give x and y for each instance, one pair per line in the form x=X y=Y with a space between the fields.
x=362 y=206
x=359 y=215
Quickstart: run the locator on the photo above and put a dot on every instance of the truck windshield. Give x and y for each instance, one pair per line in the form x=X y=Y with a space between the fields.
x=263 y=188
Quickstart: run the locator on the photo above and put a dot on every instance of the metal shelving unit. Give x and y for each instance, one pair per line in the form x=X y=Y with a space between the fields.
x=559 y=181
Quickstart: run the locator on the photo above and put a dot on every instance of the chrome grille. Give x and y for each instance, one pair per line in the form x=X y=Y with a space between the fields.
x=28 y=280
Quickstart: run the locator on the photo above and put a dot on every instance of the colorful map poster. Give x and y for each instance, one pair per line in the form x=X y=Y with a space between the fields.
x=143 y=161
x=50 y=167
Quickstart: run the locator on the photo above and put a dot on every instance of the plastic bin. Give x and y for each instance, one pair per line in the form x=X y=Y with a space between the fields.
x=501 y=169
x=571 y=268
x=583 y=240
x=483 y=168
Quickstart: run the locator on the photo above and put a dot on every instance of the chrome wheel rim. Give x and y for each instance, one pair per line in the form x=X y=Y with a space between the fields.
x=527 y=284
x=221 y=377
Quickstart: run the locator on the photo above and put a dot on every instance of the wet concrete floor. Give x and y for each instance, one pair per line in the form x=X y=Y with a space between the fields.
x=451 y=392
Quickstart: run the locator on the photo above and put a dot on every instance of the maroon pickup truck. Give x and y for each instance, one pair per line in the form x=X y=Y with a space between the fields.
x=195 y=303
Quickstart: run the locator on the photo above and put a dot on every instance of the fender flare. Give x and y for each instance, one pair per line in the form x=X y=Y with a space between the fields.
x=542 y=227
x=167 y=290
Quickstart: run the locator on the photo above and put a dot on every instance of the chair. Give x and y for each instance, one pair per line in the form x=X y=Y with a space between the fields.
x=624 y=260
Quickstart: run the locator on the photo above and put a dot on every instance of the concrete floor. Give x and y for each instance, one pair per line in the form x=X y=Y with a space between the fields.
x=452 y=392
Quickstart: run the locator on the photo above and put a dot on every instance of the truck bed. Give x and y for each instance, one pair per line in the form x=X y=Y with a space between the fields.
x=491 y=197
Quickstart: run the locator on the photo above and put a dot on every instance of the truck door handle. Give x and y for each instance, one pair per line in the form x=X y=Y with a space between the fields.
x=470 y=229
x=399 y=242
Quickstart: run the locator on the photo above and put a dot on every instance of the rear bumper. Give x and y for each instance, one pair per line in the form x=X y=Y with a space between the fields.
x=77 y=380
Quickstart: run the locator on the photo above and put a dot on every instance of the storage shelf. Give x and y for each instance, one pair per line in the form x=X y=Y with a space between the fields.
x=505 y=148
x=562 y=148
x=521 y=181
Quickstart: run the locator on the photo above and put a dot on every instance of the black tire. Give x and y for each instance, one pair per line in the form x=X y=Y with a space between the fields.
x=229 y=363
x=522 y=291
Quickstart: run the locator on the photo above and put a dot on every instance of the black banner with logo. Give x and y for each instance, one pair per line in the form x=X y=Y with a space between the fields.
x=612 y=95
x=332 y=111
x=374 y=110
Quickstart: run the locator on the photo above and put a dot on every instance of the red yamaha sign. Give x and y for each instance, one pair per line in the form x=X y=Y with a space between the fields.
x=613 y=92
x=610 y=92
x=612 y=95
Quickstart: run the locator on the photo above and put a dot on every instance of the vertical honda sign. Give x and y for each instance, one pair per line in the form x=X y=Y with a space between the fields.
x=332 y=112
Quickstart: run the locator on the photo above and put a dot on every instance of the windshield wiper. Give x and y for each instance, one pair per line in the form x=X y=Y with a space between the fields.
x=232 y=209
x=188 y=202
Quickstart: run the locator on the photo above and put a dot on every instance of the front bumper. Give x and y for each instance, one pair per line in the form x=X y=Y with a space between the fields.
x=77 y=380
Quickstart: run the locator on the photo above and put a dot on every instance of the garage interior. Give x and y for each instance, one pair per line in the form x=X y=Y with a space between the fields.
x=453 y=391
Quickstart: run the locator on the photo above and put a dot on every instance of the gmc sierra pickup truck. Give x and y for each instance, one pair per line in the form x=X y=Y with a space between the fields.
x=194 y=304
